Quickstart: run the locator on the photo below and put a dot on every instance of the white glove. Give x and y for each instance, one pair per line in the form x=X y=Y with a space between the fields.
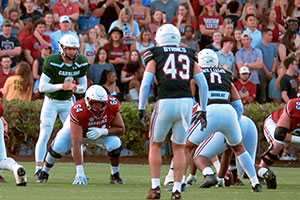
x=221 y=182
x=94 y=132
x=190 y=179
x=80 y=178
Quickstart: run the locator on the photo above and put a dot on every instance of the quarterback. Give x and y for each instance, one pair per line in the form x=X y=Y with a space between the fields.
x=93 y=120
x=57 y=82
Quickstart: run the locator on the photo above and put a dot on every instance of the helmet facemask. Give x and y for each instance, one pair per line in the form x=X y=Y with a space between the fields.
x=96 y=106
x=64 y=53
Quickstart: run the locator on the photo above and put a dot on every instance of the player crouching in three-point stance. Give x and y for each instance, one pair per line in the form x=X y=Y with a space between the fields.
x=9 y=163
x=282 y=128
x=223 y=111
x=93 y=120
x=174 y=67
x=57 y=81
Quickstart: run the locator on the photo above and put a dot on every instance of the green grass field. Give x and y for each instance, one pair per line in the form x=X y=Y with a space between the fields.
x=137 y=178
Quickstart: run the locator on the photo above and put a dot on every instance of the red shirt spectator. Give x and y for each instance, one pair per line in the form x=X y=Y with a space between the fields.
x=246 y=88
x=32 y=43
x=5 y=71
x=65 y=7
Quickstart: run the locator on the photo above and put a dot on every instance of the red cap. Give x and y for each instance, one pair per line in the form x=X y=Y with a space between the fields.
x=1 y=109
x=210 y=2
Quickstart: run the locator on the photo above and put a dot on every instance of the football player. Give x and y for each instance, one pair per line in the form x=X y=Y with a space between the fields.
x=93 y=120
x=281 y=128
x=216 y=144
x=173 y=67
x=57 y=81
x=6 y=162
x=223 y=111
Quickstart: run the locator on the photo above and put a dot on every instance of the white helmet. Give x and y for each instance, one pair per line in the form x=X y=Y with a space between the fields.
x=68 y=41
x=208 y=58
x=168 y=34
x=94 y=96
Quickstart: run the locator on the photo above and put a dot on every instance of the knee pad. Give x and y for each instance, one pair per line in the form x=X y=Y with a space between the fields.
x=280 y=133
x=54 y=154
x=115 y=153
x=268 y=157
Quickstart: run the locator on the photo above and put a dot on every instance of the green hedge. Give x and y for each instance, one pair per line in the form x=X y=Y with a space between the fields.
x=24 y=116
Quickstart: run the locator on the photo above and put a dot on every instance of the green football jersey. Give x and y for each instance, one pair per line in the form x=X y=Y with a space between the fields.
x=60 y=72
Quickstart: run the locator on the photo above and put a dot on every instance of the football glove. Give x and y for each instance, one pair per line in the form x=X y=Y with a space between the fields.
x=80 y=180
x=200 y=116
x=95 y=133
x=221 y=182
x=143 y=118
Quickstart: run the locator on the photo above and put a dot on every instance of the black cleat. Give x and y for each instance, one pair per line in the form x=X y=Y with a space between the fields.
x=210 y=180
x=153 y=193
x=37 y=174
x=116 y=179
x=43 y=177
x=270 y=178
x=176 y=195
x=257 y=188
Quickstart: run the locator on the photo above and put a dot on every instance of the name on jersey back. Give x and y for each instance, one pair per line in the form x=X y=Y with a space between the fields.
x=217 y=70
x=174 y=49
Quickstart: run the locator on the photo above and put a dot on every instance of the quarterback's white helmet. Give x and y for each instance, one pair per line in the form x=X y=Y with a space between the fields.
x=68 y=41
x=168 y=34
x=96 y=99
x=208 y=58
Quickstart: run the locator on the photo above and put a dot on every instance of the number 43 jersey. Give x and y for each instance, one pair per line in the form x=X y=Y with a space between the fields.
x=81 y=115
x=174 y=70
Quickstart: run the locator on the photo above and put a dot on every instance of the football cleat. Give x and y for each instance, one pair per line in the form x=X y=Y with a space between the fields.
x=270 y=178
x=20 y=176
x=116 y=179
x=37 y=173
x=2 y=180
x=176 y=195
x=210 y=180
x=43 y=177
x=190 y=179
x=153 y=193
x=257 y=188
x=169 y=180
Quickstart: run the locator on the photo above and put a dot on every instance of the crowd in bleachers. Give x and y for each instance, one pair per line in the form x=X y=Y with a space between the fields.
x=258 y=40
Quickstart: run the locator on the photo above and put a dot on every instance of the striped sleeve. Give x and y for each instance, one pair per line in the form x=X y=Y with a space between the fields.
x=148 y=55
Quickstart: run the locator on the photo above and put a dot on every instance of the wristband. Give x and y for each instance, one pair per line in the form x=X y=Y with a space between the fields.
x=79 y=169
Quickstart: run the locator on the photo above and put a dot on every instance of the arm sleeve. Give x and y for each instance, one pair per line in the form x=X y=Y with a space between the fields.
x=145 y=89
x=46 y=86
x=238 y=106
x=82 y=85
x=203 y=89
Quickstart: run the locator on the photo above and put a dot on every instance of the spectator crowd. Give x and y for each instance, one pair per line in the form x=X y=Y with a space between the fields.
x=257 y=40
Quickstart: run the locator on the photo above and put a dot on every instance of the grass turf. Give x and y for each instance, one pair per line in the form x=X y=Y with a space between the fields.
x=137 y=178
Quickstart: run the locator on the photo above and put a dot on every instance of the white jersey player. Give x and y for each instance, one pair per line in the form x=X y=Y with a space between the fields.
x=58 y=82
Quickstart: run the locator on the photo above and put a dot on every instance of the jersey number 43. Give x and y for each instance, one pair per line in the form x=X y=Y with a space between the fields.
x=170 y=66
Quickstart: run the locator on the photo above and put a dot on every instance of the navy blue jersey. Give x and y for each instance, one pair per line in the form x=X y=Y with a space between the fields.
x=219 y=84
x=174 y=70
